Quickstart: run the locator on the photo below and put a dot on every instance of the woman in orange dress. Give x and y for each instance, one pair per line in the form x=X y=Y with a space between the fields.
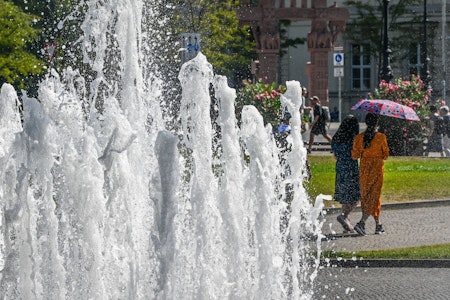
x=371 y=148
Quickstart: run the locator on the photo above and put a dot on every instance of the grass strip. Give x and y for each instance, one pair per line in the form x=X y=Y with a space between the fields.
x=406 y=178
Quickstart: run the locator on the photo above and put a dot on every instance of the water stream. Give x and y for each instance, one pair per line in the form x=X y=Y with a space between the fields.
x=100 y=201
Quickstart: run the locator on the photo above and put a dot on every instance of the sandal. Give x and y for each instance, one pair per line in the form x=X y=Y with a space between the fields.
x=344 y=223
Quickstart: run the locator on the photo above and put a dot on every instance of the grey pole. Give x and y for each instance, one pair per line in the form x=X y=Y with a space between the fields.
x=386 y=73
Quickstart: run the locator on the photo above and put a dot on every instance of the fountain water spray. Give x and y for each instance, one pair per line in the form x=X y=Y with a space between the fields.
x=100 y=201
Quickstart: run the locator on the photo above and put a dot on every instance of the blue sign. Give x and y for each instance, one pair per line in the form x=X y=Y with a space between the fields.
x=338 y=59
x=191 y=45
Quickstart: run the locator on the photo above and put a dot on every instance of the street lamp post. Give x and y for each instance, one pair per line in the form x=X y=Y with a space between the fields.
x=386 y=72
x=426 y=71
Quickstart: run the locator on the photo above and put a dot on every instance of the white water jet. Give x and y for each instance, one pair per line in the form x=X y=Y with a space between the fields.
x=100 y=204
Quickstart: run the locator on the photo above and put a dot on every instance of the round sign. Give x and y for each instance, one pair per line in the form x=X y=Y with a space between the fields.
x=338 y=59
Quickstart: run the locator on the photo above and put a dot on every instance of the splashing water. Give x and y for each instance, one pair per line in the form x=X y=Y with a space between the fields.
x=100 y=204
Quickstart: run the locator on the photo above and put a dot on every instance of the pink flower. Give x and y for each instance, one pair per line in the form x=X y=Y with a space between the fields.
x=383 y=83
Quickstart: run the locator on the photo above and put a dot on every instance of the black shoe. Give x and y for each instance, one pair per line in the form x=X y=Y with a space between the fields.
x=379 y=229
x=360 y=228
x=343 y=222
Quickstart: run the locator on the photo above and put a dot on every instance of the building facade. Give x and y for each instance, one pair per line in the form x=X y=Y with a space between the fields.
x=361 y=70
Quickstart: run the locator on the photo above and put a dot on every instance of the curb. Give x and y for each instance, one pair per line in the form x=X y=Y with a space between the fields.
x=398 y=205
x=385 y=263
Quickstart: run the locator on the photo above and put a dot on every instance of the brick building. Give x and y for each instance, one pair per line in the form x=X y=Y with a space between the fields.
x=361 y=71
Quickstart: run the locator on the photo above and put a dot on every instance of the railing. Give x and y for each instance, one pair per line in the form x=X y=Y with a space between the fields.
x=322 y=147
x=279 y=3
x=291 y=3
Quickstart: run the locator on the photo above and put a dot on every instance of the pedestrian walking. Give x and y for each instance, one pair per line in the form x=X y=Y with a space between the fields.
x=347 y=188
x=305 y=111
x=443 y=111
x=371 y=148
x=434 y=139
x=318 y=125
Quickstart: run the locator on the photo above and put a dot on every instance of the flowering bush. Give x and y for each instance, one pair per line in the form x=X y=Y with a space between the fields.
x=404 y=137
x=264 y=96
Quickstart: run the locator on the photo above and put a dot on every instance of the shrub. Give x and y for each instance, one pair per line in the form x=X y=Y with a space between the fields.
x=405 y=137
x=264 y=96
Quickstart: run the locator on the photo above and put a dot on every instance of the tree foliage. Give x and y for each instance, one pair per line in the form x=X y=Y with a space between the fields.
x=16 y=33
x=59 y=22
x=229 y=47
x=40 y=22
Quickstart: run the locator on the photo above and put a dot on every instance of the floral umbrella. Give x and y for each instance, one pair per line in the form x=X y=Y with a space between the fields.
x=386 y=108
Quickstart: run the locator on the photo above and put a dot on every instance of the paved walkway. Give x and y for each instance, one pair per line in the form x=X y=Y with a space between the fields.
x=383 y=284
x=406 y=224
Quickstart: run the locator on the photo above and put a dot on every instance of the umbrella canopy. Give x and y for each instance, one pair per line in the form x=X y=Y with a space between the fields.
x=386 y=108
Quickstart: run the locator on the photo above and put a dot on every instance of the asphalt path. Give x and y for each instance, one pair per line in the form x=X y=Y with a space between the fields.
x=383 y=283
x=407 y=225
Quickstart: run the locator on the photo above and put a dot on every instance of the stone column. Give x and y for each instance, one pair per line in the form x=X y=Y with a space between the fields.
x=317 y=72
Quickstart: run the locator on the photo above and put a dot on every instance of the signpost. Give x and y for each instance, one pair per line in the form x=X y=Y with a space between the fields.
x=338 y=59
x=338 y=62
x=190 y=45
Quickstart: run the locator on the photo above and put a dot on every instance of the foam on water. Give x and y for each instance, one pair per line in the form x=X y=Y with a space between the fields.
x=99 y=201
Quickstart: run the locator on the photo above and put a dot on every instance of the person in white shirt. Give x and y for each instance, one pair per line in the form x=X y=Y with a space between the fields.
x=443 y=112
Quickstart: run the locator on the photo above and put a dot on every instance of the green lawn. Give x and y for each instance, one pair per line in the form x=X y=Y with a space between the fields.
x=406 y=178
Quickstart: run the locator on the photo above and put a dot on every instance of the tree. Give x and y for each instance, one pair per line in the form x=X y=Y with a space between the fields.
x=367 y=27
x=55 y=26
x=16 y=34
x=229 y=48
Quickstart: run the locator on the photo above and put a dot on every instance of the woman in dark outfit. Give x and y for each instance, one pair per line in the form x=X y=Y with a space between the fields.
x=347 y=188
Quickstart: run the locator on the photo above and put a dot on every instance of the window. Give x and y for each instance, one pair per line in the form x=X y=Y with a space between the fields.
x=361 y=67
x=416 y=59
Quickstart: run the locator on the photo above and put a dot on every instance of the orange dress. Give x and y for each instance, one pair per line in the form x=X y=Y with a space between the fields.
x=371 y=171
